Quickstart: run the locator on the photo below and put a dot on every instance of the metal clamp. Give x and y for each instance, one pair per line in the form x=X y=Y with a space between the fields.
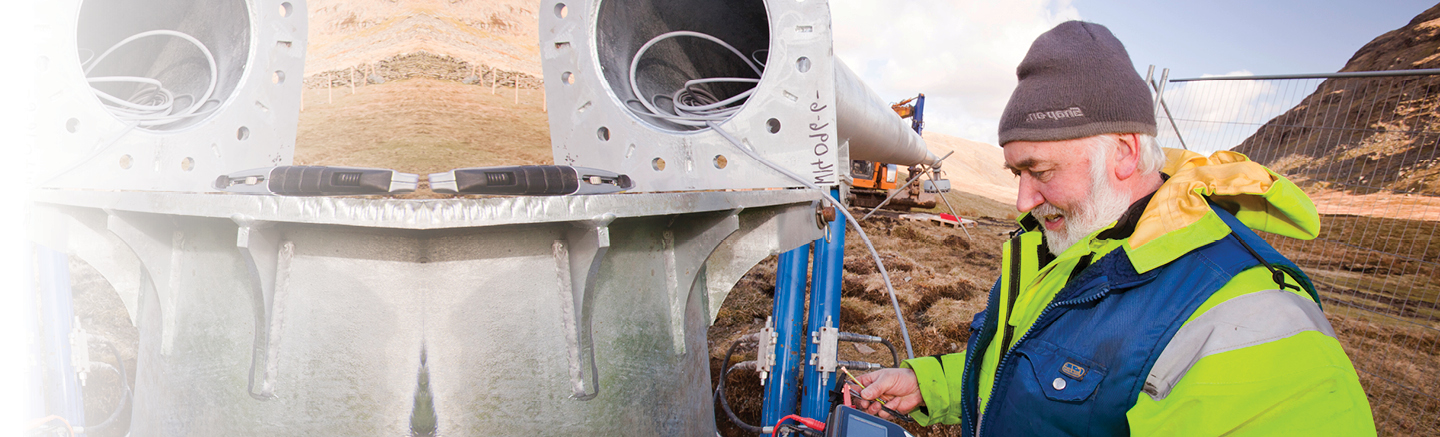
x=829 y=347
x=765 y=351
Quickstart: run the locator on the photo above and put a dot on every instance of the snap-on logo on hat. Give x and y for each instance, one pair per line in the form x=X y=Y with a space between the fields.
x=1074 y=111
x=1073 y=370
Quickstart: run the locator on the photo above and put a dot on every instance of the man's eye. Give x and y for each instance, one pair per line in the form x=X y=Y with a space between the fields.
x=1038 y=174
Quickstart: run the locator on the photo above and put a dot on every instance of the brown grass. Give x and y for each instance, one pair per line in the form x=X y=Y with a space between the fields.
x=422 y=126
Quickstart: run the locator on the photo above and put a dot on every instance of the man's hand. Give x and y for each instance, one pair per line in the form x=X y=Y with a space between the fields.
x=897 y=387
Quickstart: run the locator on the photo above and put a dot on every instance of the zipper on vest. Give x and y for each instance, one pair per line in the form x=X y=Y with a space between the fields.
x=1005 y=358
x=1011 y=293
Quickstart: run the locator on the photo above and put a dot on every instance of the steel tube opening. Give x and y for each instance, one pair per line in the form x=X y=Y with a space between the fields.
x=697 y=61
x=163 y=65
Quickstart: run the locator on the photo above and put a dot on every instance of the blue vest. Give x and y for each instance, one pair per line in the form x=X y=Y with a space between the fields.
x=1082 y=365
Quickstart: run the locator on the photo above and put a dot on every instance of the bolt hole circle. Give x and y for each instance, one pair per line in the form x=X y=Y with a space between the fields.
x=561 y=10
x=243 y=133
x=802 y=64
x=126 y=161
x=187 y=164
x=286 y=9
x=603 y=133
x=72 y=125
x=278 y=77
x=658 y=164
x=567 y=77
x=772 y=126
x=721 y=162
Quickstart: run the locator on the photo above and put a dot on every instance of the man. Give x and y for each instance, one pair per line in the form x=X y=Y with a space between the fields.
x=1137 y=300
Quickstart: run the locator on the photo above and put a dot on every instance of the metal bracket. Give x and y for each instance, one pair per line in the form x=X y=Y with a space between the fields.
x=829 y=347
x=765 y=352
x=154 y=243
x=577 y=260
x=80 y=350
x=697 y=239
x=268 y=261
x=763 y=232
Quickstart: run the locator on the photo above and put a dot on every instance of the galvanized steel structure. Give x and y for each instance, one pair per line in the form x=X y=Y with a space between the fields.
x=467 y=316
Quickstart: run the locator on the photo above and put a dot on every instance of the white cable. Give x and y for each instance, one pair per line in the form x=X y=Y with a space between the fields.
x=691 y=106
x=152 y=104
x=904 y=332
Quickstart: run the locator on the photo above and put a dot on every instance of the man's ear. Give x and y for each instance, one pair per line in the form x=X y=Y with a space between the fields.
x=1127 y=156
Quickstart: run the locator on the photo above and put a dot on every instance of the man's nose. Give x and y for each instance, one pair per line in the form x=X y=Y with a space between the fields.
x=1028 y=197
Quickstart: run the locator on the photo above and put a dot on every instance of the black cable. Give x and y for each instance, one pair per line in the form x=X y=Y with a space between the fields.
x=862 y=338
x=894 y=356
x=124 y=386
x=720 y=391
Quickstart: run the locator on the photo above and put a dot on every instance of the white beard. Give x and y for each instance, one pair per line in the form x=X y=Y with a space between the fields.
x=1105 y=205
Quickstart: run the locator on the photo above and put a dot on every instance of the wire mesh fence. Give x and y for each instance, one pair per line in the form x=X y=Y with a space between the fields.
x=1364 y=147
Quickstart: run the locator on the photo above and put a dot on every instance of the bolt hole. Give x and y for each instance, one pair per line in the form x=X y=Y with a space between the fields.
x=72 y=125
x=285 y=9
x=126 y=161
x=657 y=164
x=187 y=164
x=772 y=125
x=278 y=77
x=721 y=162
x=603 y=133
x=243 y=133
x=561 y=10
x=802 y=64
x=567 y=77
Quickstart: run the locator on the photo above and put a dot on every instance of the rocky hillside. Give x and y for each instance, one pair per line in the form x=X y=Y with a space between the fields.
x=1360 y=134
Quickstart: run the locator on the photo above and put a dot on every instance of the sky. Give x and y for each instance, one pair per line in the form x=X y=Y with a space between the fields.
x=962 y=53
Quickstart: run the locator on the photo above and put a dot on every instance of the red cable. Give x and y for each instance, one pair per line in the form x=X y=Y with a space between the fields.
x=808 y=422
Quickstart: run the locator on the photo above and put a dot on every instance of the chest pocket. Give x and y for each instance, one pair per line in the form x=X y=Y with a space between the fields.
x=1053 y=392
x=1060 y=374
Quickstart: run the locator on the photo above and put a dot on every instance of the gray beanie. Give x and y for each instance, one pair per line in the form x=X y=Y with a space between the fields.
x=1077 y=81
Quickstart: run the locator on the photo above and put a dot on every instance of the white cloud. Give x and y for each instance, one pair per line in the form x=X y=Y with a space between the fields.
x=961 y=53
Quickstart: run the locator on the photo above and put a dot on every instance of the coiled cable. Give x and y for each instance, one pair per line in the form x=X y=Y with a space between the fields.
x=693 y=105
x=152 y=104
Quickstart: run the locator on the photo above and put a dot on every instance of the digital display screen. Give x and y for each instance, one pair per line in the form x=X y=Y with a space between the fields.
x=856 y=426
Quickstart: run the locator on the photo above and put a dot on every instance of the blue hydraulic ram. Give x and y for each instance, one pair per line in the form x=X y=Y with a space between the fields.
x=63 y=396
x=781 y=390
x=824 y=314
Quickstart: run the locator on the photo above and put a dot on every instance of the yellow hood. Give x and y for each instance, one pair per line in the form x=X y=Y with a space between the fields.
x=1178 y=219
